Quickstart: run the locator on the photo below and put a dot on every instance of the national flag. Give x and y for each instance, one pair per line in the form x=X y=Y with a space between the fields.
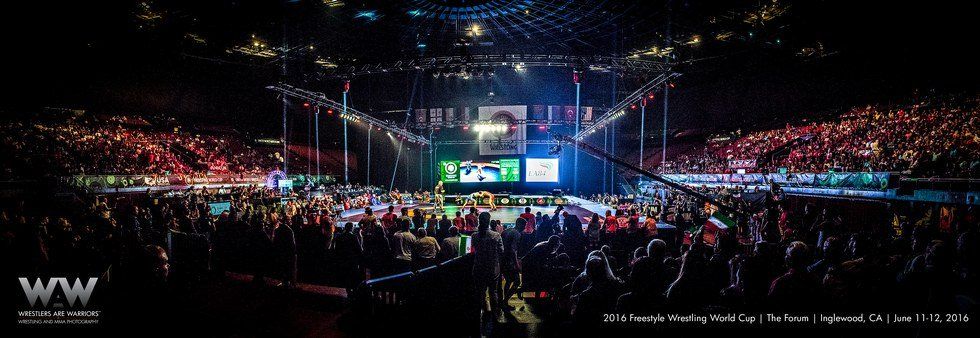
x=465 y=244
x=718 y=223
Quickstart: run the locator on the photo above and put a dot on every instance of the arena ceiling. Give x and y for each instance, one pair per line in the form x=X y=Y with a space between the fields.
x=741 y=59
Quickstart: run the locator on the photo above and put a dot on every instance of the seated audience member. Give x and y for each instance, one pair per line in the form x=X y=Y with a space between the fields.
x=600 y=297
x=795 y=290
x=536 y=264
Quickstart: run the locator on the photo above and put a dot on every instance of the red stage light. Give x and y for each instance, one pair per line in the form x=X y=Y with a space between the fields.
x=306 y=104
x=542 y=127
x=466 y=127
x=671 y=85
x=633 y=106
x=329 y=111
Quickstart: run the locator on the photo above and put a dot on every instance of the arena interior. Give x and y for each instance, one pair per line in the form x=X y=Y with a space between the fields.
x=492 y=168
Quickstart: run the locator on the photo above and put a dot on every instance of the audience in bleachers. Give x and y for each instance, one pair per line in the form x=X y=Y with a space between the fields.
x=935 y=139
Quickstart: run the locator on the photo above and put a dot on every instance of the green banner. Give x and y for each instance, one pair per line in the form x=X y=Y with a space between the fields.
x=449 y=171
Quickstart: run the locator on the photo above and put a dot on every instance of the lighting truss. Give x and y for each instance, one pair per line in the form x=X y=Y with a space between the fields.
x=619 y=109
x=517 y=61
x=319 y=99
x=471 y=123
x=602 y=155
x=468 y=142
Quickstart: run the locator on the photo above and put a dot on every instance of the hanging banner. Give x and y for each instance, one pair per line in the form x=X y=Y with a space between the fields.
x=510 y=141
x=741 y=164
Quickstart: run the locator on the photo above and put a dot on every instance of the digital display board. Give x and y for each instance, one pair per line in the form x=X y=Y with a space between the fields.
x=541 y=170
x=469 y=171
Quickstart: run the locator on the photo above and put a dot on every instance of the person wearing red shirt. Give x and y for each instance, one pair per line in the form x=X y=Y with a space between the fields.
x=471 y=220
x=529 y=217
x=459 y=222
x=388 y=219
x=611 y=223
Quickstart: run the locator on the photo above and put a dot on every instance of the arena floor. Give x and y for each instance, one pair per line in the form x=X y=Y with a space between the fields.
x=507 y=214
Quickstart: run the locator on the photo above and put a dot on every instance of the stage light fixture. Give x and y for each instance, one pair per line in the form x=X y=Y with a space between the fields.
x=555 y=150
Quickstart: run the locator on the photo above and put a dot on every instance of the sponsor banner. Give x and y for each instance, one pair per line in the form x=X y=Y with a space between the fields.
x=857 y=181
x=511 y=140
x=541 y=170
x=741 y=164
x=101 y=182
x=449 y=171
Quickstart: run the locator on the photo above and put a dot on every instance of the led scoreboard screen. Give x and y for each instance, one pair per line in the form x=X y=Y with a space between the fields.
x=469 y=171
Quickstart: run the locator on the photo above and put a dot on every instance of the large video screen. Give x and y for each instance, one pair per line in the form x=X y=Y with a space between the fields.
x=470 y=171
x=541 y=170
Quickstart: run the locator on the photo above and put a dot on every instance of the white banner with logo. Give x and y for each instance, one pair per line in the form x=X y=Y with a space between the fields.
x=541 y=170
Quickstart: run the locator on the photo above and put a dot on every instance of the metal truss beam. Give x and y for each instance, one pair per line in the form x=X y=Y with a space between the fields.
x=457 y=123
x=620 y=108
x=319 y=99
x=592 y=63
x=470 y=142
x=600 y=154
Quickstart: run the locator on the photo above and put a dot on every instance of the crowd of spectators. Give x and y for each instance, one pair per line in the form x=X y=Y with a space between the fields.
x=928 y=139
x=624 y=261
x=809 y=262
x=87 y=145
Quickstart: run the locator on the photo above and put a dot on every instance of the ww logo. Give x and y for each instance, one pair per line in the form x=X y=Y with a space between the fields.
x=72 y=294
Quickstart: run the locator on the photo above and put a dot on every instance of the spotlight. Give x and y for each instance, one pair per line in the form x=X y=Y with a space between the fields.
x=306 y=104
x=555 y=150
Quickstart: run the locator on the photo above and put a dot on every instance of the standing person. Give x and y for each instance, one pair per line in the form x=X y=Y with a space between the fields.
x=377 y=249
x=509 y=267
x=431 y=224
x=488 y=248
x=529 y=217
x=284 y=244
x=404 y=247
x=348 y=252
x=650 y=226
x=443 y=230
x=260 y=237
x=471 y=220
x=573 y=237
x=368 y=219
x=405 y=218
x=418 y=219
x=449 y=246
x=459 y=222
x=388 y=219
x=594 y=234
x=611 y=223
x=440 y=193
x=426 y=250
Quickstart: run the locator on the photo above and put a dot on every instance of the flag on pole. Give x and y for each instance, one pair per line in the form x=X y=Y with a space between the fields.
x=718 y=223
x=465 y=244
